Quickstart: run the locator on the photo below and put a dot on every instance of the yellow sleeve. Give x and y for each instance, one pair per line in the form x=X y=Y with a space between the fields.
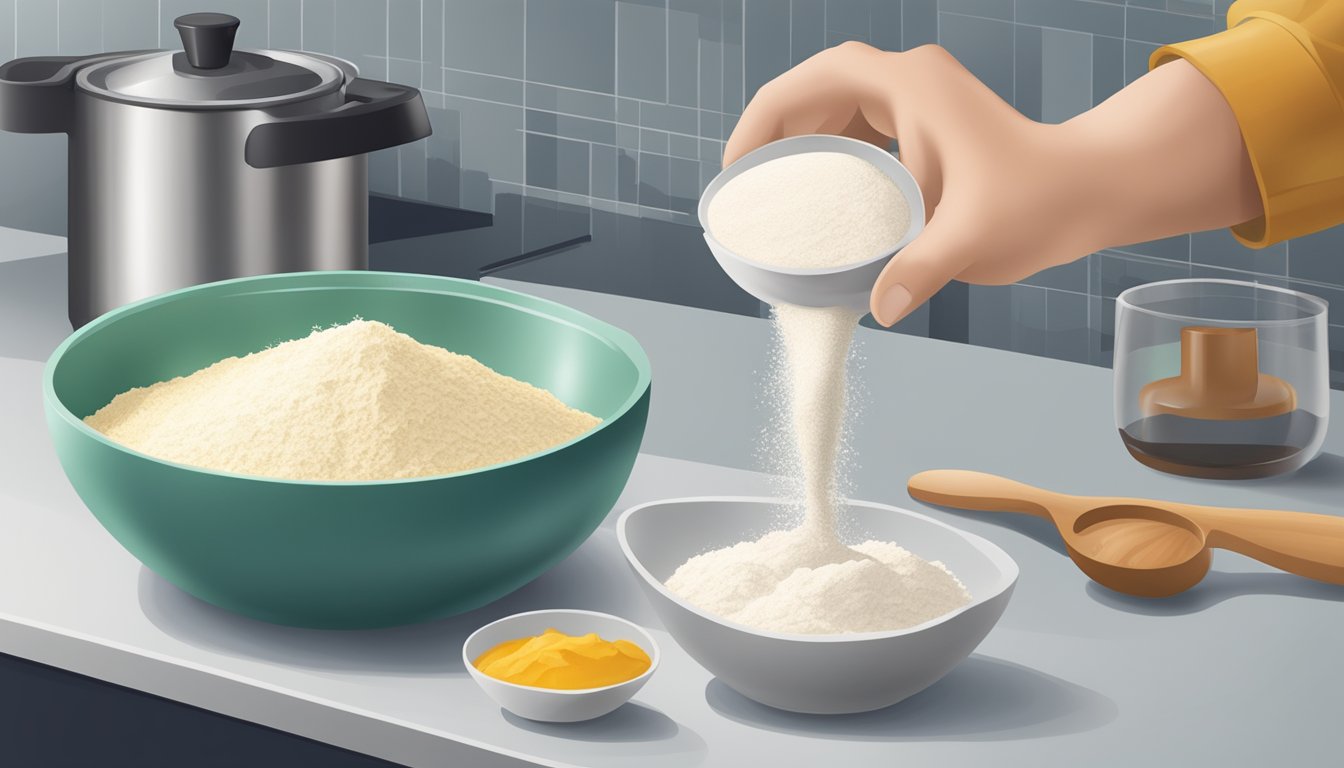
x=1280 y=65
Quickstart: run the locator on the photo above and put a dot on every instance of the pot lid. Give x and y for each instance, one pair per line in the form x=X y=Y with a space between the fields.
x=209 y=74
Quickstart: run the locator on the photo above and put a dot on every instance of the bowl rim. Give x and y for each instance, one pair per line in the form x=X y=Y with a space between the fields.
x=1007 y=567
x=651 y=647
x=601 y=330
x=886 y=162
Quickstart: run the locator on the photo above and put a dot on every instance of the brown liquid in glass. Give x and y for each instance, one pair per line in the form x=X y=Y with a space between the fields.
x=1222 y=449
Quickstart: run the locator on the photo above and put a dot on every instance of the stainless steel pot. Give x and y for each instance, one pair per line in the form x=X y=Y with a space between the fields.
x=208 y=163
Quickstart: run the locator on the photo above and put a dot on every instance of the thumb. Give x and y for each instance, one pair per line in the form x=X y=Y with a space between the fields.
x=924 y=266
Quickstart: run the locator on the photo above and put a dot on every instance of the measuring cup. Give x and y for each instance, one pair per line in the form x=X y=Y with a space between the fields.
x=846 y=286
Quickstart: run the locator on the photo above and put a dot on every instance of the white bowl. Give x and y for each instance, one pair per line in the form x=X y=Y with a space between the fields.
x=552 y=705
x=816 y=674
x=847 y=286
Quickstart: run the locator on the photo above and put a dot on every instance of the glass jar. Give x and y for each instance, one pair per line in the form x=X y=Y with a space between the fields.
x=1221 y=379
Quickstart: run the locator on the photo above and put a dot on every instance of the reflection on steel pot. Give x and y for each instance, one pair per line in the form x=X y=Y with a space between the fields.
x=209 y=163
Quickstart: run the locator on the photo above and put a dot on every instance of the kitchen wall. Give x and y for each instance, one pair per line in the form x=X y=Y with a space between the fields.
x=622 y=106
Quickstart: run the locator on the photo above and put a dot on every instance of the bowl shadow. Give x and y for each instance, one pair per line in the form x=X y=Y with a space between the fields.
x=982 y=699
x=1217 y=587
x=583 y=580
x=631 y=722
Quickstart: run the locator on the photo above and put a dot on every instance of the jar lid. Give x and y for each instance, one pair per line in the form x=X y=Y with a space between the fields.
x=209 y=74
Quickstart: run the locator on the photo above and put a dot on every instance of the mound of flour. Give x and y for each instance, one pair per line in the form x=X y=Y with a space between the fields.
x=358 y=401
x=813 y=210
x=797 y=582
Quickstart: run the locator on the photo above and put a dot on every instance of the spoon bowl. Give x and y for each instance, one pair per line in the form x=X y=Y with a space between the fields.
x=1150 y=548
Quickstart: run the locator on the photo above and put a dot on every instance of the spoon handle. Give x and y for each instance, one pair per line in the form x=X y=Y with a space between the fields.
x=1303 y=543
x=963 y=489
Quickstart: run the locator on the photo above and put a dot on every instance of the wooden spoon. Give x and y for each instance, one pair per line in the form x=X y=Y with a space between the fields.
x=1150 y=548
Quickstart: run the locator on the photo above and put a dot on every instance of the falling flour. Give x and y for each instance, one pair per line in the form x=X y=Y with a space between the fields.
x=358 y=401
x=814 y=210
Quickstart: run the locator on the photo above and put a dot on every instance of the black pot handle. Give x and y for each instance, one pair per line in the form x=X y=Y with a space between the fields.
x=376 y=115
x=35 y=92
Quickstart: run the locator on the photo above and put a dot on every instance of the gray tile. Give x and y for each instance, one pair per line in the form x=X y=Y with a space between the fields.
x=627 y=136
x=81 y=27
x=1111 y=272
x=651 y=140
x=627 y=111
x=1220 y=249
x=404 y=25
x=684 y=184
x=251 y=13
x=585 y=129
x=414 y=171
x=985 y=9
x=1067 y=334
x=1169 y=248
x=492 y=139
x=360 y=35
x=984 y=46
x=1204 y=8
x=1219 y=273
x=1065 y=277
x=885 y=24
x=654 y=182
x=710 y=150
x=711 y=75
x=1101 y=331
x=683 y=146
x=989 y=324
x=603 y=172
x=1161 y=27
x=488 y=36
x=285 y=19
x=7 y=36
x=1028 y=77
x=1066 y=68
x=919 y=23
x=669 y=118
x=848 y=17
x=385 y=172
x=1108 y=67
x=405 y=72
x=834 y=38
x=477 y=86
x=1160 y=5
x=641 y=51
x=444 y=150
x=683 y=58
x=1318 y=257
x=711 y=125
x=572 y=43
x=627 y=176
x=1220 y=10
x=134 y=24
x=1077 y=15
x=807 y=35
x=733 y=100
x=1136 y=59
x=35 y=33
x=767 y=42
x=319 y=26
x=598 y=106
x=431 y=44
x=1030 y=319
x=558 y=164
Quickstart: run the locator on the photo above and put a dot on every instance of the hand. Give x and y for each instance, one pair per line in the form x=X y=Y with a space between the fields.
x=1007 y=196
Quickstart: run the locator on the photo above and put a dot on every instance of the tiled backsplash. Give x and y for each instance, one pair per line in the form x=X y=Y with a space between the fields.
x=623 y=106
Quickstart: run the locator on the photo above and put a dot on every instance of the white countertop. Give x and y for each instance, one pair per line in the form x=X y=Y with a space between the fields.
x=1243 y=669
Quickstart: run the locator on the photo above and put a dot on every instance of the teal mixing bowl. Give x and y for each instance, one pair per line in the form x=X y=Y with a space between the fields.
x=357 y=554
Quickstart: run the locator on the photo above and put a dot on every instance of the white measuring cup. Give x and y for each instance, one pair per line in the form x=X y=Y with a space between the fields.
x=845 y=286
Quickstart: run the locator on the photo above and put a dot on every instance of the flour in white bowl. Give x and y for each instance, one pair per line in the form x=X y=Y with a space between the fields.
x=814 y=210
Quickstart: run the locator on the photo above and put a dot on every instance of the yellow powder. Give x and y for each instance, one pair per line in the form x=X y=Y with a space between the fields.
x=556 y=660
x=358 y=401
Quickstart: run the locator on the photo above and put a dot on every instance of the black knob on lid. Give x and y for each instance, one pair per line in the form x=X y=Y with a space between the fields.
x=207 y=38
